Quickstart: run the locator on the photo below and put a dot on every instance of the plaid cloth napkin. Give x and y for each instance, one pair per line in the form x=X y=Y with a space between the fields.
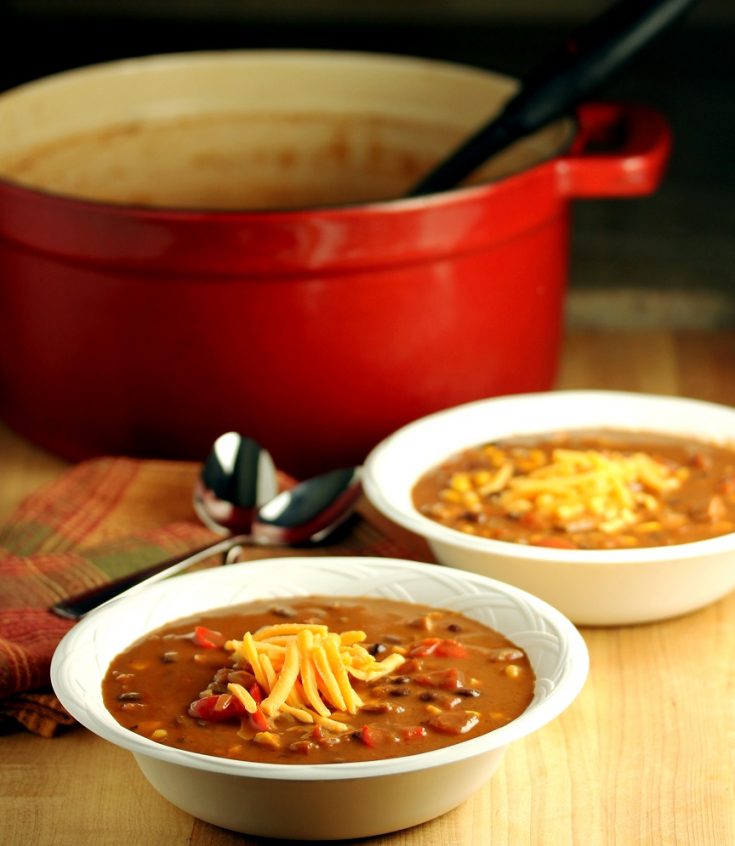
x=101 y=519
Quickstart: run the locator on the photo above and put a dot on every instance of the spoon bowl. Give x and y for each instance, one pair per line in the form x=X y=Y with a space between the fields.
x=237 y=477
x=309 y=512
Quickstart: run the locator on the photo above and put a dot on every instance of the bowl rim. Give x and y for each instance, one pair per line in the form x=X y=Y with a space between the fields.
x=536 y=715
x=411 y=519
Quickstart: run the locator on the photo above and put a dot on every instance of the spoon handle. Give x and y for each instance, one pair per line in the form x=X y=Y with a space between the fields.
x=80 y=604
x=585 y=59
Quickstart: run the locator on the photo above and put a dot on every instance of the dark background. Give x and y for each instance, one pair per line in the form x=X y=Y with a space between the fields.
x=679 y=243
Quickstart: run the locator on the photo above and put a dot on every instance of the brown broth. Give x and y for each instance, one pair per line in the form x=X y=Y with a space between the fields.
x=432 y=700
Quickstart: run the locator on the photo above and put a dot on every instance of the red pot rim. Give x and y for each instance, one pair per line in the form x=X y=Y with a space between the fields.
x=463 y=219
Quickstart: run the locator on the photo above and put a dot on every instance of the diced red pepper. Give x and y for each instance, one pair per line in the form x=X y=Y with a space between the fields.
x=443 y=648
x=450 y=649
x=208 y=638
x=255 y=691
x=531 y=520
x=258 y=720
x=371 y=736
x=217 y=708
x=413 y=733
x=424 y=647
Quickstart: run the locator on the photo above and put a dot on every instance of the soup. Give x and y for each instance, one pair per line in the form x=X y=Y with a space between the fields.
x=318 y=680
x=585 y=490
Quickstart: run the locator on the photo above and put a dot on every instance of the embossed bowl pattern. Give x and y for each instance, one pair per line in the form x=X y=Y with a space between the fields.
x=326 y=801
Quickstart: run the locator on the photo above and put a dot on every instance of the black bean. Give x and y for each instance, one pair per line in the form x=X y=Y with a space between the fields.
x=283 y=611
x=454 y=627
x=169 y=657
x=467 y=691
x=400 y=680
x=377 y=648
x=427 y=696
x=400 y=691
x=130 y=696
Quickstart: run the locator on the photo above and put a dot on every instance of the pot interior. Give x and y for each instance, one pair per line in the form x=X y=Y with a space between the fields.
x=252 y=130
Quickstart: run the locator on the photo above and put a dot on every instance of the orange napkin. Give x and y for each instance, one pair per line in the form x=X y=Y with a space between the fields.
x=99 y=520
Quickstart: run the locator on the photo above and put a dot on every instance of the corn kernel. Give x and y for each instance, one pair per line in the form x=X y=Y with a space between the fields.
x=568 y=512
x=460 y=482
x=650 y=526
x=471 y=501
x=513 y=671
x=159 y=734
x=449 y=495
x=495 y=455
x=432 y=709
x=597 y=504
x=267 y=738
x=545 y=500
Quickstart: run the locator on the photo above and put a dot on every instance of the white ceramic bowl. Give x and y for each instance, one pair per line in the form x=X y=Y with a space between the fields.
x=602 y=587
x=321 y=801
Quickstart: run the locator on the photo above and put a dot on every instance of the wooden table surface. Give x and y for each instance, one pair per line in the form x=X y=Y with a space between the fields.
x=646 y=755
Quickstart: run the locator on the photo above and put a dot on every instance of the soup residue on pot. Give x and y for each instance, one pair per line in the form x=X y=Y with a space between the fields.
x=319 y=680
x=262 y=160
x=602 y=489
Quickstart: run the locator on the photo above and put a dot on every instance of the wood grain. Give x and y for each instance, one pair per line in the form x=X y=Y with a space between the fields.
x=644 y=757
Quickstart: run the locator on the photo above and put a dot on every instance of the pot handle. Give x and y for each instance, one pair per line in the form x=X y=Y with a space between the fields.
x=620 y=150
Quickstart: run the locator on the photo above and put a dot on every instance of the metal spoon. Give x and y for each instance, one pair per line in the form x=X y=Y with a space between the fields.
x=237 y=477
x=311 y=511
x=307 y=513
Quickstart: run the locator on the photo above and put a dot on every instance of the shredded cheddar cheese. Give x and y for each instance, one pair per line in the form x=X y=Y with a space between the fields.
x=248 y=703
x=305 y=671
x=611 y=488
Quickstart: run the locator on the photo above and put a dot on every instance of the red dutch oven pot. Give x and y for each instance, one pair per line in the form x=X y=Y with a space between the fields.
x=149 y=331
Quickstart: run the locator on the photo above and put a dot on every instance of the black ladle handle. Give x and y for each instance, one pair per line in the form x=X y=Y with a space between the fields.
x=82 y=603
x=587 y=58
